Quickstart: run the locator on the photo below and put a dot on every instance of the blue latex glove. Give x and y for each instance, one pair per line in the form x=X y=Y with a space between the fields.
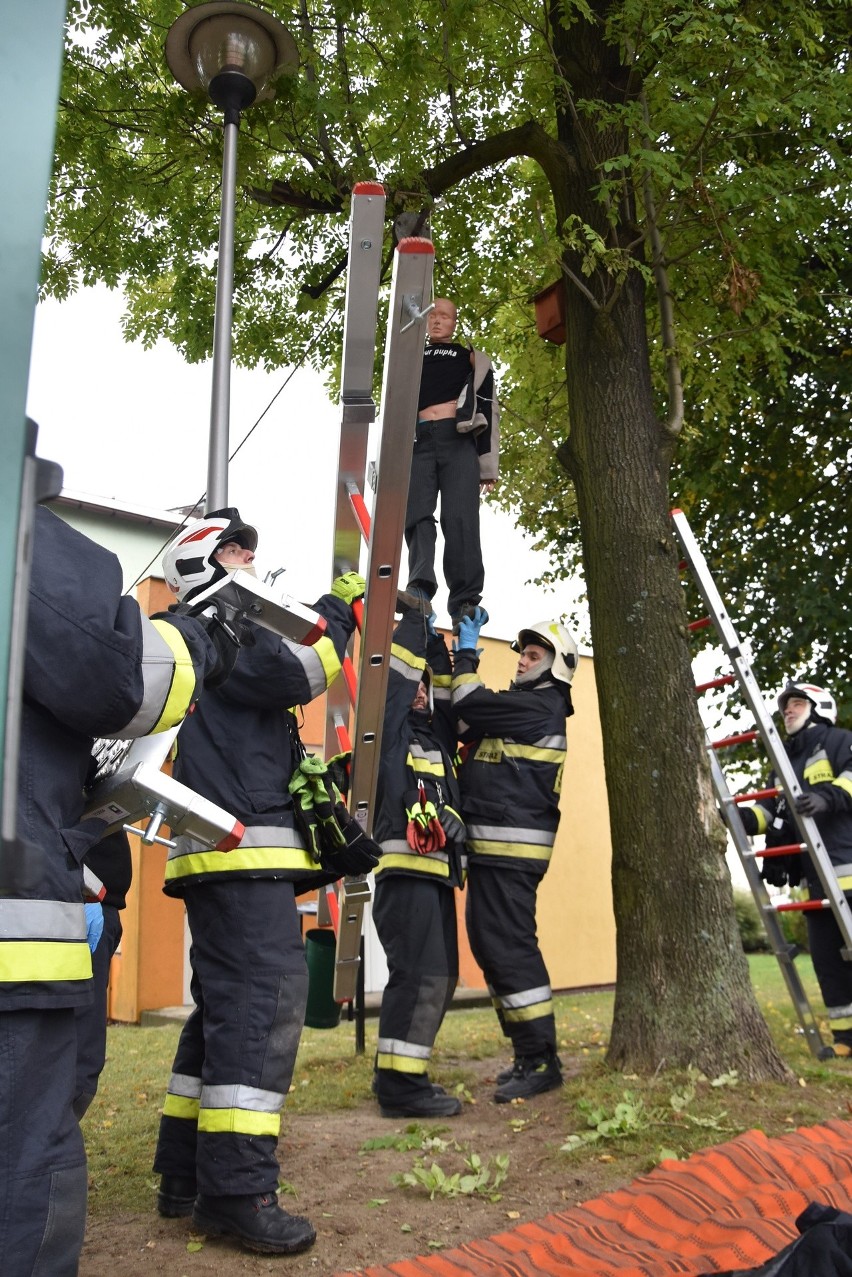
x=94 y=924
x=430 y=624
x=469 y=627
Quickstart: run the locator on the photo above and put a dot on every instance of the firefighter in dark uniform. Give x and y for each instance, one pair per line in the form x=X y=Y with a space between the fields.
x=422 y=838
x=95 y=666
x=510 y=777
x=109 y=871
x=820 y=754
x=234 y=1062
x=455 y=457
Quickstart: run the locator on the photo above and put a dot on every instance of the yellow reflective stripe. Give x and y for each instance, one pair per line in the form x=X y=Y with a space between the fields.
x=512 y=749
x=182 y=689
x=845 y=884
x=762 y=819
x=182 y=1106
x=241 y=858
x=239 y=1121
x=401 y=1063
x=24 y=961
x=442 y=680
x=524 y=851
x=519 y=1014
x=423 y=765
x=840 y=1021
x=328 y=658
x=416 y=664
x=415 y=863
x=844 y=782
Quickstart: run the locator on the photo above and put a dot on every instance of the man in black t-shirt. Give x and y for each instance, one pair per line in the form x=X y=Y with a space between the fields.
x=455 y=457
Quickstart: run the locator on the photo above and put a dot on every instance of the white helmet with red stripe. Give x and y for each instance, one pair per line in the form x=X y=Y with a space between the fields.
x=824 y=704
x=188 y=563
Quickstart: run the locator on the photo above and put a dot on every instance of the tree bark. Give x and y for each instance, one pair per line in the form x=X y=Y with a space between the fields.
x=683 y=993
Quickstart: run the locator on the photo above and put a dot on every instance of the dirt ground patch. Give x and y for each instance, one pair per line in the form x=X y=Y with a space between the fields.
x=360 y=1218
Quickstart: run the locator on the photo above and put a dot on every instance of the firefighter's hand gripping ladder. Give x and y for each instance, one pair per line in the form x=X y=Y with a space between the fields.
x=811 y=843
x=383 y=532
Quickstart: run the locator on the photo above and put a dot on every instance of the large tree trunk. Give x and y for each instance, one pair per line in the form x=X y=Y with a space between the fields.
x=683 y=994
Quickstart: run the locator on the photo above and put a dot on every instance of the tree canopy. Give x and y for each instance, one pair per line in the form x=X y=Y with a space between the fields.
x=683 y=168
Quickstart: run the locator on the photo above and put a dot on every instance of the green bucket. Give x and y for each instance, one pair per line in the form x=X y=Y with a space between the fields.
x=322 y=1010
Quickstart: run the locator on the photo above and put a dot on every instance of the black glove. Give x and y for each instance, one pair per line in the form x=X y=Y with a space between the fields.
x=453 y=826
x=813 y=804
x=227 y=633
x=358 y=856
x=774 y=871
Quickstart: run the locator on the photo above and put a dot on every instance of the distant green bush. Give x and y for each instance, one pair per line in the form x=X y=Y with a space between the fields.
x=752 y=932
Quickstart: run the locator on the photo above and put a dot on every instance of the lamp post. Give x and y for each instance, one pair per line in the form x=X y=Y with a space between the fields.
x=230 y=52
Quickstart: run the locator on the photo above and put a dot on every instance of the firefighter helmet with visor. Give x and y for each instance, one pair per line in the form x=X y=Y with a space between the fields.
x=189 y=565
x=824 y=704
x=553 y=636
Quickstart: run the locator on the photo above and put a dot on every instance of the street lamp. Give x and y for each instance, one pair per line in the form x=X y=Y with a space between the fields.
x=230 y=52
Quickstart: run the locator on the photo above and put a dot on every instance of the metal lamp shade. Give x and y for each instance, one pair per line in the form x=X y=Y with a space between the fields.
x=224 y=40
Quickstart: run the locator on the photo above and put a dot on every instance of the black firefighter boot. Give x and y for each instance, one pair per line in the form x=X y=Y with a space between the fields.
x=531 y=1075
x=258 y=1221
x=176 y=1196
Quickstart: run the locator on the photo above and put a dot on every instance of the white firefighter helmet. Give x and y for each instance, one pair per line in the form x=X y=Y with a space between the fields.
x=552 y=635
x=824 y=704
x=188 y=563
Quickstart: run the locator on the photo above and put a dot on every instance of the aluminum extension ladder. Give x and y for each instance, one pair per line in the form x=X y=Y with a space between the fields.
x=381 y=532
x=810 y=841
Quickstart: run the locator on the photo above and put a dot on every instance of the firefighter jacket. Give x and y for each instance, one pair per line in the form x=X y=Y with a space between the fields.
x=94 y=666
x=821 y=757
x=513 y=758
x=240 y=748
x=417 y=750
x=478 y=411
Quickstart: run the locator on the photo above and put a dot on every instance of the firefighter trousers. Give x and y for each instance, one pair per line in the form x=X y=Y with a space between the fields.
x=501 y=927
x=237 y=1050
x=43 y=1181
x=833 y=972
x=415 y=918
x=446 y=463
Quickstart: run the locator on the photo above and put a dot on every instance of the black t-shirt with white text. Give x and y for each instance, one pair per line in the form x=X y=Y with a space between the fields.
x=446 y=368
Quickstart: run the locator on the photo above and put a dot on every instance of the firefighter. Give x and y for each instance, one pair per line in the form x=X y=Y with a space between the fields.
x=94 y=666
x=511 y=774
x=820 y=754
x=455 y=457
x=234 y=1061
x=422 y=838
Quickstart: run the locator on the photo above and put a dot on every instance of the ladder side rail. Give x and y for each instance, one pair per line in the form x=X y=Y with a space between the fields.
x=773 y=744
x=781 y=947
x=410 y=294
x=358 y=409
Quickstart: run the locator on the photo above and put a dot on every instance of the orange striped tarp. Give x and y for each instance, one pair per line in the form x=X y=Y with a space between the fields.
x=728 y=1207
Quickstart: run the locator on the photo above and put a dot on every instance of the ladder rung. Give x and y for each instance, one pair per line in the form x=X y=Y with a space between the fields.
x=714 y=682
x=755 y=794
x=734 y=740
x=699 y=625
x=789 y=849
x=359 y=509
x=349 y=679
x=802 y=906
x=358 y=613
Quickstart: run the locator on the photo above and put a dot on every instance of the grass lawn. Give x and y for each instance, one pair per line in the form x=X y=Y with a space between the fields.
x=669 y=1114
